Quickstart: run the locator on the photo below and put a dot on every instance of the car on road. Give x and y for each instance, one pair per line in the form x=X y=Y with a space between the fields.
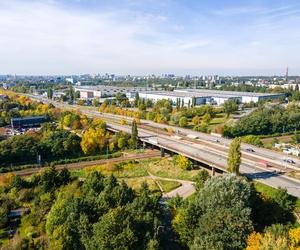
x=289 y=161
x=215 y=140
x=250 y=150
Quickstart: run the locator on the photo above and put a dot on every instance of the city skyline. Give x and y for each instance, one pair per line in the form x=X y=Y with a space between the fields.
x=144 y=37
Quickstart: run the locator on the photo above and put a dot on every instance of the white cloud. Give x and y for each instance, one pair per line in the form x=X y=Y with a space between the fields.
x=43 y=37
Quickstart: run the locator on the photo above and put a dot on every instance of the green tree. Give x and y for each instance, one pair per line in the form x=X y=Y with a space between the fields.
x=230 y=107
x=50 y=93
x=201 y=178
x=183 y=121
x=136 y=99
x=134 y=134
x=252 y=139
x=234 y=156
x=121 y=143
x=219 y=216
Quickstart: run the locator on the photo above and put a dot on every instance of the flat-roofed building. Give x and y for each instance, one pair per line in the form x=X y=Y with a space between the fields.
x=27 y=122
x=219 y=96
x=100 y=91
x=185 y=98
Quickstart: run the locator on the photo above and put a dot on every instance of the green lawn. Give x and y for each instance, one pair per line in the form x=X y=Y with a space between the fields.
x=165 y=167
x=168 y=186
x=136 y=182
x=162 y=167
x=219 y=119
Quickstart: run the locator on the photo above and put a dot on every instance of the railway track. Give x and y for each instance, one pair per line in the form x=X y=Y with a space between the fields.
x=80 y=165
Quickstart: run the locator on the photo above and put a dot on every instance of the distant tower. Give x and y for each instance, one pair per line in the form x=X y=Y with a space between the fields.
x=287 y=75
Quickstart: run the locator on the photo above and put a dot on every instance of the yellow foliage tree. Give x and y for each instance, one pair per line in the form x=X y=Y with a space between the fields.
x=253 y=241
x=6 y=179
x=93 y=140
x=294 y=235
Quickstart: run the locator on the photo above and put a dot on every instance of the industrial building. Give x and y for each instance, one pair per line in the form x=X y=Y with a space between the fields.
x=185 y=98
x=205 y=96
x=100 y=91
x=220 y=96
x=27 y=122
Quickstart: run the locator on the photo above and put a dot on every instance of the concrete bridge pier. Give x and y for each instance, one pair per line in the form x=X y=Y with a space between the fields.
x=213 y=170
x=162 y=152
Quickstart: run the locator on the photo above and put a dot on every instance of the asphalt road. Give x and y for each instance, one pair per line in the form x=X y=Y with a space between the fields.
x=210 y=153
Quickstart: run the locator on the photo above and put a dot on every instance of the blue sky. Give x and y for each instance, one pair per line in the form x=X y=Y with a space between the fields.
x=223 y=37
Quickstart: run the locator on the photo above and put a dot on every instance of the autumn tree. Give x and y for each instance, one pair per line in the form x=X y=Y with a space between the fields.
x=93 y=140
x=183 y=162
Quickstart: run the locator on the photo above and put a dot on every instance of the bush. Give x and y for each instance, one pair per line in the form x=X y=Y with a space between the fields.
x=183 y=162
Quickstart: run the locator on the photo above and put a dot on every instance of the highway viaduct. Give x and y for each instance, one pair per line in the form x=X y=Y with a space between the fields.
x=203 y=150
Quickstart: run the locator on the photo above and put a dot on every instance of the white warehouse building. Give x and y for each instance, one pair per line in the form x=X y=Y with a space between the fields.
x=185 y=97
x=205 y=96
x=220 y=96
x=100 y=91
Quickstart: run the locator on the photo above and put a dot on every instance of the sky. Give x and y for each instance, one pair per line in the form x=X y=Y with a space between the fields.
x=140 y=37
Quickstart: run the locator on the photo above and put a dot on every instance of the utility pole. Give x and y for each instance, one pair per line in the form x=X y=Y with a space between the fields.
x=107 y=151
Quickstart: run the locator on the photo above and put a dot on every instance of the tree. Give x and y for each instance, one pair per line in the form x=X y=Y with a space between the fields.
x=134 y=134
x=104 y=214
x=50 y=93
x=95 y=102
x=215 y=218
x=67 y=120
x=183 y=162
x=93 y=140
x=234 y=156
x=294 y=236
x=196 y=120
x=136 y=99
x=183 y=121
x=121 y=143
x=230 y=107
x=252 y=139
x=296 y=137
x=206 y=118
x=201 y=178
x=284 y=200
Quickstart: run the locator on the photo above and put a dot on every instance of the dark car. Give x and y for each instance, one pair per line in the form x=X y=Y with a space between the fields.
x=289 y=161
x=250 y=150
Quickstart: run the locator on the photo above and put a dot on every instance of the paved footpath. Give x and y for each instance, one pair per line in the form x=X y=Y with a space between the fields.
x=186 y=189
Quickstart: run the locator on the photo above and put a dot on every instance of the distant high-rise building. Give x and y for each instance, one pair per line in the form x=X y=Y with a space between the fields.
x=287 y=75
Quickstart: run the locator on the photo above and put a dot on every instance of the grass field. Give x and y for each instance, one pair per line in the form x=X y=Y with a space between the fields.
x=268 y=141
x=165 y=167
x=134 y=173
x=168 y=186
x=135 y=183
x=219 y=119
